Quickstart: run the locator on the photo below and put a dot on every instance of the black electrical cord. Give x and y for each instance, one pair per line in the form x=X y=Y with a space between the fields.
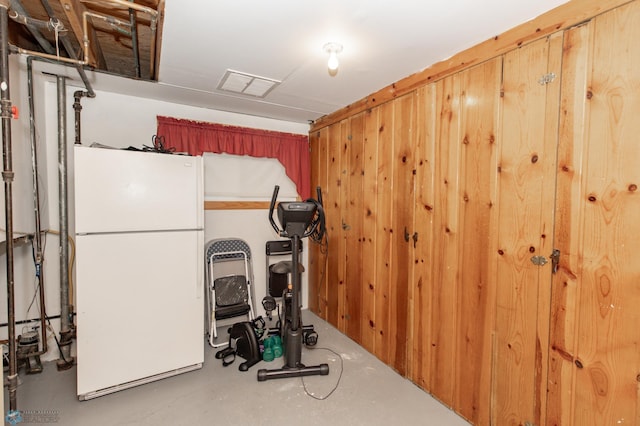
x=66 y=361
x=322 y=398
x=318 y=223
x=158 y=146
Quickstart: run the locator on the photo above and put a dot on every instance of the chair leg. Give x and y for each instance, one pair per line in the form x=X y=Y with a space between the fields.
x=213 y=332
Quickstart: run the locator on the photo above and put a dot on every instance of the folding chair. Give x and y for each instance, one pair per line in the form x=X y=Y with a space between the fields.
x=230 y=285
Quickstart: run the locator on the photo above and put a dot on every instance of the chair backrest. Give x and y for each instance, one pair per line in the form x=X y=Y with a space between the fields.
x=231 y=290
x=227 y=248
x=229 y=270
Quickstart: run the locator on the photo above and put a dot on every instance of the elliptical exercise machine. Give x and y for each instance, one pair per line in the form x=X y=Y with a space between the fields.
x=298 y=220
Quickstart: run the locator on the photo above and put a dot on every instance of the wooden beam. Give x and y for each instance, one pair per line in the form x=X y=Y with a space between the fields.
x=237 y=205
x=565 y=16
x=156 y=44
x=74 y=10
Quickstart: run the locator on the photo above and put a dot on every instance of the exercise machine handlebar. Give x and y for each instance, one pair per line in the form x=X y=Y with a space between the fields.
x=274 y=197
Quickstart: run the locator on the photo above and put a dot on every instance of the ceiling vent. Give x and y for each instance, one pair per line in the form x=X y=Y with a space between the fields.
x=247 y=84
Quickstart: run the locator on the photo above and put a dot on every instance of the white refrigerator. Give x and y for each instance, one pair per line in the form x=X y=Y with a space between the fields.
x=139 y=267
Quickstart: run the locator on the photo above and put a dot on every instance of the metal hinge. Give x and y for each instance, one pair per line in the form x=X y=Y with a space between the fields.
x=554 y=257
x=547 y=78
x=539 y=260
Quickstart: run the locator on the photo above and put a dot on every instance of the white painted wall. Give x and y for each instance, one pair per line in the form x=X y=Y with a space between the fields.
x=122 y=121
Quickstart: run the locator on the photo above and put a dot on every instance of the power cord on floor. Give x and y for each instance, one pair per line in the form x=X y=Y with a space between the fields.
x=322 y=398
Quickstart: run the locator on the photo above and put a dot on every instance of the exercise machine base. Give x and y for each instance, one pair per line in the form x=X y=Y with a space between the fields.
x=288 y=372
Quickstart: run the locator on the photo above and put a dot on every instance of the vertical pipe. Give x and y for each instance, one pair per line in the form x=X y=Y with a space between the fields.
x=36 y=206
x=7 y=176
x=77 y=108
x=65 y=332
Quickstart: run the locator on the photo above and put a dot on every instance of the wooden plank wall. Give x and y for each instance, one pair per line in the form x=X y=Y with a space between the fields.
x=479 y=105
x=606 y=387
x=370 y=215
x=488 y=168
x=594 y=341
x=526 y=177
x=382 y=236
x=565 y=288
x=403 y=201
x=332 y=201
x=317 y=253
x=353 y=230
x=445 y=288
x=424 y=224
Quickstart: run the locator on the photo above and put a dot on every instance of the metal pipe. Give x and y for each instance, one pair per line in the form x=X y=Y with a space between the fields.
x=128 y=5
x=47 y=56
x=7 y=176
x=153 y=25
x=106 y=18
x=29 y=22
x=16 y=6
x=77 y=108
x=37 y=240
x=70 y=50
x=65 y=360
x=85 y=28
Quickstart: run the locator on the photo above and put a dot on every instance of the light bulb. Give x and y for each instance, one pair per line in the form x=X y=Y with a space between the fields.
x=333 y=61
x=333 y=49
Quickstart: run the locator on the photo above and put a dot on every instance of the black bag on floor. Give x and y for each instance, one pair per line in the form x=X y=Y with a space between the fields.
x=242 y=342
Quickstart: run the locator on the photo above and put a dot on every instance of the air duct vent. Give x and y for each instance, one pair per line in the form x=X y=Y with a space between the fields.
x=247 y=84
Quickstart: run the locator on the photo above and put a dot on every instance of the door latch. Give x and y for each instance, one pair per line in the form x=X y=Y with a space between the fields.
x=555 y=260
x=554 y=257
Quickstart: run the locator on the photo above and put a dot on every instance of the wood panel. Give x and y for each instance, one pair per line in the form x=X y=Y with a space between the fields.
x=526 y=173
x=565 y=285
x=479 y=103
x=383 y=238
x=353 y=230
x=446 y=241
x=546 y=246
x=237 y=205
x=403 y=201
x=333 y=200
x=606 y=361
x=424 y=255
x=319 y=258
x=342 y=229
x=317 y=252
x=370 y=258
x=501 y=340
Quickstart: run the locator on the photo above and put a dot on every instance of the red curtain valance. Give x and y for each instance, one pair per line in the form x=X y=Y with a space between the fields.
x=196 y=137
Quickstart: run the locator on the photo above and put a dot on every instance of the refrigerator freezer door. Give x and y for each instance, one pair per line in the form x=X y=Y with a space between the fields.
x=137 y=295
x=122 y=191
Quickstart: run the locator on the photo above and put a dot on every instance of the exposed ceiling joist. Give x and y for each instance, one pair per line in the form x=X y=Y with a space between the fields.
x=73 y=10
x=107 y=24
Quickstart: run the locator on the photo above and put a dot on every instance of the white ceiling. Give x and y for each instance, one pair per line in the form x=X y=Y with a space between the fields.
x=384 y=41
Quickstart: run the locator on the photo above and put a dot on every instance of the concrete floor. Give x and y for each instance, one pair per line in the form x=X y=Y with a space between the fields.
x=368 y=393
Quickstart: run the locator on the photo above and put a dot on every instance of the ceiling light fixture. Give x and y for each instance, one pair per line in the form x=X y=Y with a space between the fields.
x=333 y=49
